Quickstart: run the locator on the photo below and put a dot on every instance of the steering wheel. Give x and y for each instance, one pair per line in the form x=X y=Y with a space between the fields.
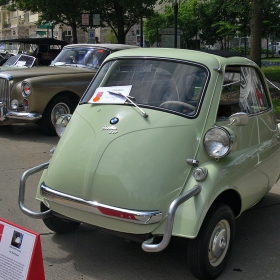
x=178 y=103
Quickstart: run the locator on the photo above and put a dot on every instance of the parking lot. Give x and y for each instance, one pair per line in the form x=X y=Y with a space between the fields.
x=89 y=254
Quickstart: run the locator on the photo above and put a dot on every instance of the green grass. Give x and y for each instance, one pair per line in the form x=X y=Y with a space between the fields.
x=276 y=105
x=272 y=59
x=272 y=73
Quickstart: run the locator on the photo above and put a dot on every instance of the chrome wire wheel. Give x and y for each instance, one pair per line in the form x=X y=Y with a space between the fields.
x=219 y=243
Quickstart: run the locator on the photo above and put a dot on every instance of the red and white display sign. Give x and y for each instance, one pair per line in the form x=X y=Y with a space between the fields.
x=20 y=253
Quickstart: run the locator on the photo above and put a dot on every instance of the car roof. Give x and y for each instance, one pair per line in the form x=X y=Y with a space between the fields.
x=207 y=58
x=113 y=47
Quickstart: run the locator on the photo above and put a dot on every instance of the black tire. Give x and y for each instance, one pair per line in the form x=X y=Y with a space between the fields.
x=58 y=225
x=58 y=106
x=207 y=258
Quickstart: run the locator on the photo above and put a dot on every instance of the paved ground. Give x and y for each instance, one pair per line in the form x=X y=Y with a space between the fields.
x=88 y=254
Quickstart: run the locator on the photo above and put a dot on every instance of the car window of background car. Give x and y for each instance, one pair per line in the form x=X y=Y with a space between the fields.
x=26 y=60
x=243 y=91
x=169 y=85
x=11 y=61
x=82 y=56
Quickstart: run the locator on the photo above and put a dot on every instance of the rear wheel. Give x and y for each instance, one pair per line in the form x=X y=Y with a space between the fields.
x=58 y=225
x=60 y=105
x=208 y=253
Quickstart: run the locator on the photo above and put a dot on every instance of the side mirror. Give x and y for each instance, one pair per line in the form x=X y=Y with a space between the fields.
x=238 y=119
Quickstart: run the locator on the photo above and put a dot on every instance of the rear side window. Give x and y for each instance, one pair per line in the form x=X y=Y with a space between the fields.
x=243 y=91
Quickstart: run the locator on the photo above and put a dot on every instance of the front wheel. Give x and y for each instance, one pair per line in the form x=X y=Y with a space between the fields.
x=57 y=107
x=208 y=253
x=58 y=225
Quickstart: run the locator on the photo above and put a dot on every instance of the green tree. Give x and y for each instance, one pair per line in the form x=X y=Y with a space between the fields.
x=62 y=11
x=119 y=15
x=256 y=26
x=187 y=21
x=270 y=21
x=221 y=20
x=122 y=15
x=152 y=25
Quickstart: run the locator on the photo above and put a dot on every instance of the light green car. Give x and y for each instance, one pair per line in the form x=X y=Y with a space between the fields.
x=164 y=143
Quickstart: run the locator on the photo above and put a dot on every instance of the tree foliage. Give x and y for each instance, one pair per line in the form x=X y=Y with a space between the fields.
x=187 y=21
x=119 y=15
x=122 y=15
x=221 y=21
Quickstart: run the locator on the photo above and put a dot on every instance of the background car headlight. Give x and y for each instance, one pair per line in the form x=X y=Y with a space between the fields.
x=25 y=89
x=219 y=141
x=61 y=124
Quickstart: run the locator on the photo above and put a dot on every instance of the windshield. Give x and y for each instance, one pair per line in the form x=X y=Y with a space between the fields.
x=161 y=84
x=20 y=61
x=84 y=57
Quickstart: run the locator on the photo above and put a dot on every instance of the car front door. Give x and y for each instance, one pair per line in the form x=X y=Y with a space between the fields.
x=247 y=170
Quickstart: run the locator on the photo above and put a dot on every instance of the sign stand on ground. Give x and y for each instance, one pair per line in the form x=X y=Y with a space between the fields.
x=20 y=253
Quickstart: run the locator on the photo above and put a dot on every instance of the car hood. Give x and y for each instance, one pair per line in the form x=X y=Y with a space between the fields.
x=45 y=70
x=142 y=166
x=7 y=68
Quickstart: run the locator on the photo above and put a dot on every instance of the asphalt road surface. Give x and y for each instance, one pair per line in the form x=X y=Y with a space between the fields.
x=91 y=255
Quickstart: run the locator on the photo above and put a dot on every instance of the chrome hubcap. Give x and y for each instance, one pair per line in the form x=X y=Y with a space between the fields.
x=58 y=110
x=219 y=242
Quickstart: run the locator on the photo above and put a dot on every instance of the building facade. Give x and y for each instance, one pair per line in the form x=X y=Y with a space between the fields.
x=19 y=24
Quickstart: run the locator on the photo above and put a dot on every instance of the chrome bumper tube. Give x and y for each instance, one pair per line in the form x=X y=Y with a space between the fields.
x=147 y=245
x=31 y=117
x=25 y=175
x=127 y=215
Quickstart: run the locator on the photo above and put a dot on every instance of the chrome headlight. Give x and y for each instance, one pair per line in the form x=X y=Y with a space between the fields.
x=219 y=141
x=25 y=89
x=61 y=124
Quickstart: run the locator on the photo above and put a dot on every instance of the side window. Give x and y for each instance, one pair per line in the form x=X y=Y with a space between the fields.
x=252 y=95
x=242 y=91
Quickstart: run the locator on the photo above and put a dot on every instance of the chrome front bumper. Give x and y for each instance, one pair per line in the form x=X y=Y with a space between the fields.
x=28 y=117
x=140 y=217
x=2 y=111
x=133 y=216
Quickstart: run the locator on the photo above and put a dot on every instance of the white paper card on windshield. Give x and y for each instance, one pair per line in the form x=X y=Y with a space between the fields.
x=111 y=94
x=21 y=63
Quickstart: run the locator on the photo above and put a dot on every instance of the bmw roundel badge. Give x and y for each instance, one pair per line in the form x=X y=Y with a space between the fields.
x=114 y=120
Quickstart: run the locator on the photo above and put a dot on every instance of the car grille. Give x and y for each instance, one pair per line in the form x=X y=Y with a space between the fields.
x=4 y=92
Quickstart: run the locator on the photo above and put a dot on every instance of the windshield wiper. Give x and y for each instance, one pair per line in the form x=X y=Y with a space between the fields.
x=129 y=98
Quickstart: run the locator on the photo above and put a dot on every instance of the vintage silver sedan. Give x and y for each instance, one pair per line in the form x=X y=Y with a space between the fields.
x=42 y=94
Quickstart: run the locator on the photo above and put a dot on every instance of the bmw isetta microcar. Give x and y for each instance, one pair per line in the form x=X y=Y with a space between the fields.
x=164 y=143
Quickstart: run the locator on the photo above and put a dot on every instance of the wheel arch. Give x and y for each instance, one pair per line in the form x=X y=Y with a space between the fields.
x=191 y=215
x=73 y=97
x=231 y=198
